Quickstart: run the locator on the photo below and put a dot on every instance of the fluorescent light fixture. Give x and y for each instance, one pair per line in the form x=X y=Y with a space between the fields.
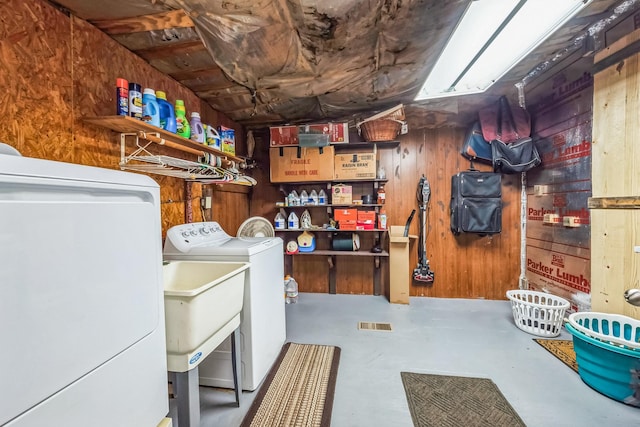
x=490 y=39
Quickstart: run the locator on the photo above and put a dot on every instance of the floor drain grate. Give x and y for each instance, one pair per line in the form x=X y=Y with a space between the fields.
x=374 y=326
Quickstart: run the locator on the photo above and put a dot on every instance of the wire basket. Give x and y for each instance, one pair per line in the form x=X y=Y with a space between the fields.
x=538 y=313
x=608 y=328
x=380 y=130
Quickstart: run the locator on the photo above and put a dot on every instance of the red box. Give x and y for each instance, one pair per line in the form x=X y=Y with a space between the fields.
x=345 y=215
x=347 y=224
x=288 y=135
x=365 y=225
x=367 y=216
x=283 y=135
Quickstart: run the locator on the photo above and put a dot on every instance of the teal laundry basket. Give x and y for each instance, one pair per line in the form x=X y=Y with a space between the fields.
x=610 y=365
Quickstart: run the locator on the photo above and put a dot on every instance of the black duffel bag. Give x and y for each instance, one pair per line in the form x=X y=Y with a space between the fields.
x=516 y=157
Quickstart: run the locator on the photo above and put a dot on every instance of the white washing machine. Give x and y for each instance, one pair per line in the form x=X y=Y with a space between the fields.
x=262 y=322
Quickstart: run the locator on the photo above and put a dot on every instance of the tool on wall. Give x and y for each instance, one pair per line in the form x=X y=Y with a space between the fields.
x=423 y=273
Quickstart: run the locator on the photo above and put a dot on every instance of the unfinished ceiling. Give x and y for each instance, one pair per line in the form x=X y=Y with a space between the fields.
x=267 y=62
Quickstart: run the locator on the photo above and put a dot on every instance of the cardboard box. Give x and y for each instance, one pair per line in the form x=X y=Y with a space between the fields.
x=399 y=270
x=289 y=135
x=355 y=166
x=345 y=214
x=228 y=137
x=365 y=225
x=367 y=216
x=341 y=195
x=313 y=164
x=347 y=225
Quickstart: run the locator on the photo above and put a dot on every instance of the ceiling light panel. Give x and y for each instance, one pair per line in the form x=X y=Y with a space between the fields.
x=533 y=22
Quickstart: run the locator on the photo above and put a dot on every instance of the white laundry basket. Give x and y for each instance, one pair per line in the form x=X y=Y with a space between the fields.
x=538 y=313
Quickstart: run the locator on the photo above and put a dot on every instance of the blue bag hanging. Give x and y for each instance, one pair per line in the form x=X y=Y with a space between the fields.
x=475 y=147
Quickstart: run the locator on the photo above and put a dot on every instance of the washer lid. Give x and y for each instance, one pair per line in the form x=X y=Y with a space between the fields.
x=207 y=238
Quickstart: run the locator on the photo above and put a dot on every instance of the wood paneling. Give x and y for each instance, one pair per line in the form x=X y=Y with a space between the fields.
x=56 y=70
x=466 y=266
x=615 y=229
x=614 y=265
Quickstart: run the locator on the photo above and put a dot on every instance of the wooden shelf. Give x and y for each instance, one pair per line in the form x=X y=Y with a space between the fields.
x=343 y=253
x=365 y=144
x=323 y=230
x=125 y=124
x=328 y=181
x=330 y=205
x=632 y=202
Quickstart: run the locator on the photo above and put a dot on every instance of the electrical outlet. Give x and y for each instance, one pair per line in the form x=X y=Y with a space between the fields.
x=540 y=190
x=571 y=221
x=551 y=218
x=205 y=202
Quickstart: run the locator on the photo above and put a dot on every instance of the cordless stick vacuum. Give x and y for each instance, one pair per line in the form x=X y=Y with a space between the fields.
x=422 y=273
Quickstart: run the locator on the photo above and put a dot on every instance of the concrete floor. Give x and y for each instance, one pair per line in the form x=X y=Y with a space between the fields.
x=442 y=336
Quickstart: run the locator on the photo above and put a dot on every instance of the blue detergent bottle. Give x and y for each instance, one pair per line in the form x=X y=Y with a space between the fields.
x=150 y=110
x=167 y=114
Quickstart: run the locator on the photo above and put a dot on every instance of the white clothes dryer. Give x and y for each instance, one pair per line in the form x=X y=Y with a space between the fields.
x=262 y=320
x=81 y=296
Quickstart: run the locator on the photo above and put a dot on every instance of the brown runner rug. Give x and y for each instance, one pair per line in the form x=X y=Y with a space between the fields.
x=562 y=349
x=298 y=391
x=449 y=401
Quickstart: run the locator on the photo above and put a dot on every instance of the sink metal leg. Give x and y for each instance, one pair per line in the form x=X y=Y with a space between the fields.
x=186 y=386
x=236 y=362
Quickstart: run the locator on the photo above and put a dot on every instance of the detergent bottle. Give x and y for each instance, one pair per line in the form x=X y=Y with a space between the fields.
x=197 y=131
x=182 y=124
x=150 y=110
x=167 y=115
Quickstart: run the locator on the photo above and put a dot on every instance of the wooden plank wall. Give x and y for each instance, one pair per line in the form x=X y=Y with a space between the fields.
x=467 y=266
x=615 y=267
x=56 y=70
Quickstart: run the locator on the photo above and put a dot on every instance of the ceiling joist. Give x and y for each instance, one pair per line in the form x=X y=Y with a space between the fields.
x=159 y=21
x=172 y=50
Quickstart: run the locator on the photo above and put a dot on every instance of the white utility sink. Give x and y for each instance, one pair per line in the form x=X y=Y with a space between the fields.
x=202 y=302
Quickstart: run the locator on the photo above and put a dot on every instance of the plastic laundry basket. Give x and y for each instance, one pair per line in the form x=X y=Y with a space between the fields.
x=538 y=313
x=610 y=369
x=612 y=328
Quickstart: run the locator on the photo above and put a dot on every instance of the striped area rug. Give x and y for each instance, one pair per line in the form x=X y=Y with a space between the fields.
x=450 y=401
x=298 y=391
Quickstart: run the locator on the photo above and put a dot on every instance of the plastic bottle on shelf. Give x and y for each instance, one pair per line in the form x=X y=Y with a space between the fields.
x=313 y=197
x=304 y=198
x=122 y=97
x=290 y=290
x=167 y=114
x=293 y=222
x=213 y=138
x=135 y=101
x=182 y=124
x=381 y=195
x=280 y=221
x=150 y=110
x=382 y=219
x=322 y=197
x=197 y=131
x=294 y=199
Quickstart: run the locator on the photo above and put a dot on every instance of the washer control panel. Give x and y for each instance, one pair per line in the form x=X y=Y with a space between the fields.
x=186 y=236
